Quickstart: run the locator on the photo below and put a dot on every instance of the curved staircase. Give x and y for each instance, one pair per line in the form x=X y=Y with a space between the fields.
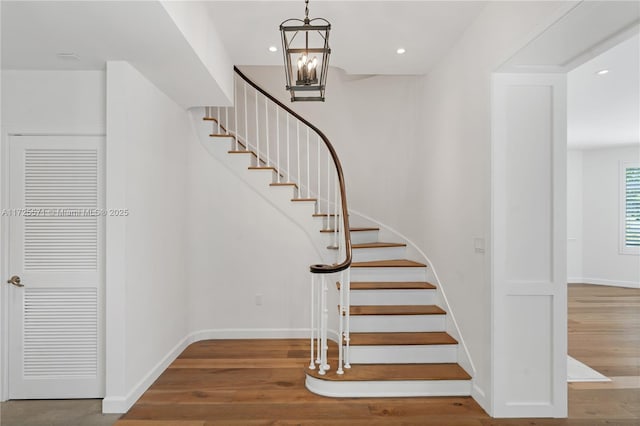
x=393 y=337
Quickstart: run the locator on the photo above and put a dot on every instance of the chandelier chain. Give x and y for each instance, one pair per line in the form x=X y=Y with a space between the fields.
x=306 y=9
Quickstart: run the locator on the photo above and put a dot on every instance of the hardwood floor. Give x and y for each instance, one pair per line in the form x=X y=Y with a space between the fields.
x=604 y=333
x=261 y=382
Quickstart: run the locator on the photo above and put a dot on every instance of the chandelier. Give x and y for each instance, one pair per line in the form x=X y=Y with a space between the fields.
x=305 y=46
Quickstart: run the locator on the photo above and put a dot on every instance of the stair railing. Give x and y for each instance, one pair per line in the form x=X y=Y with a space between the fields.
x=300 y=155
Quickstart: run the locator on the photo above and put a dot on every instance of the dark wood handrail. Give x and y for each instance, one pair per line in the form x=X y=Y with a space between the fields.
x=318 y=269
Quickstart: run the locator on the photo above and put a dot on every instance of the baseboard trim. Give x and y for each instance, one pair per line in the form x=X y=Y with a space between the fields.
x=600 y=281
x=121 y=404
x=479 y=395
x=250 y=333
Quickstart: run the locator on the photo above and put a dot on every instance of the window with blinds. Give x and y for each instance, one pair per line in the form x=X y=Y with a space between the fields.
x=631 y=209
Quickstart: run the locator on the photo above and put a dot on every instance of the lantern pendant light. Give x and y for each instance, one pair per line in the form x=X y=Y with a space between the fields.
x=305 y=45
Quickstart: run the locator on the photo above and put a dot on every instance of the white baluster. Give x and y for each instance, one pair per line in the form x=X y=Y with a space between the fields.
x=246 y=120
x=308 y=166
x=288 y=153
x=266 y=120
x=325 y=323
x=327 y=222
x=321 y=358
x=278 y=143
x=318 y=155
x=226 y=120
x=341 y=326
x=318 y=309
x=347 y=331
x=235 y=110
x=336 y=222
x=299 y=177
x=312 y=365
x=218 y=118
x=257 y=133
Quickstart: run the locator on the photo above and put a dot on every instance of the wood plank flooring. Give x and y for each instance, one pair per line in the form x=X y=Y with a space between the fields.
x=261 y=382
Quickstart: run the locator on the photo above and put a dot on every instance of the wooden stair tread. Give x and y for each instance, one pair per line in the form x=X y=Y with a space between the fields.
x=262 y=168
x=380 y=339
x=325 y=215
x=393 y=263
x=396 y=310
x=388 y=285
x=241 y=152
x=304 y=199
x=394 y=372
x=352 y=230
x=371 y=245
x=295 y=185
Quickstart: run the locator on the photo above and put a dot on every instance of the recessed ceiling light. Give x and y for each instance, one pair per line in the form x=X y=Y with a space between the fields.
x=69 y=56
x=273 y=49
x=400 y=51
x=603 y=72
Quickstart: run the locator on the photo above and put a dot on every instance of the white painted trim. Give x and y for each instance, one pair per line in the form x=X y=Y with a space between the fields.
x=606 y=282
x=388 y=389
x=4 y=265
x=122 y=403
x=622 y=212
x=249 y=333
x=479 y=394
x=465 y=359
x=502 y=287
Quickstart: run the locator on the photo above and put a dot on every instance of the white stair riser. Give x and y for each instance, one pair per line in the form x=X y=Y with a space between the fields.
x=305 y=208
x=282 y=195
x=403 y=354
x=325 y=222
x=374 y=389
x=396 y=323
x=259 y=178
x=388 y=274
x=393 y=297
x=382 y=253
x=360 y=237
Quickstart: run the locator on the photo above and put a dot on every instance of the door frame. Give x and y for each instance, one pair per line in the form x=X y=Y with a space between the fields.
x=6 y=132
x=529 y=291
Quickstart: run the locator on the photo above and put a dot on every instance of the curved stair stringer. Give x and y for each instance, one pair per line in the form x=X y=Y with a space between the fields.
x=301 y=214
x=415 y=253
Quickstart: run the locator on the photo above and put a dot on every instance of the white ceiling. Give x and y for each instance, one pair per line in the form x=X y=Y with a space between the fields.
x=604 y=110
x=601 y=110
x=139 y=32
x=364 y=34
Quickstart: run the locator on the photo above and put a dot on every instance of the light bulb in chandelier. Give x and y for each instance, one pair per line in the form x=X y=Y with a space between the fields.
x=307 y=71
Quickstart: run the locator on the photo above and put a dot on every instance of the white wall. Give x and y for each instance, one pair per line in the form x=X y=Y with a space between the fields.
x=43 y=102
x=53 y=101
x=372 y=121
x=575 y=208
x=599 y=177
x=241 y=246
x=147 y=286
x=452 y=166
x=416 y=153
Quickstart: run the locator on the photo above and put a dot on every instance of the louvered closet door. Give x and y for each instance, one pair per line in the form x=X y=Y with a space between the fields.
x=56 y=239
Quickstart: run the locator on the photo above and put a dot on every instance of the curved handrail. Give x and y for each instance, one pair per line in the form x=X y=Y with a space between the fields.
x=346 y=263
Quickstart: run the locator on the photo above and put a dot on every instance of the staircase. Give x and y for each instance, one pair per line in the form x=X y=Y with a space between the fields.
x=390 y=335
x=398 y=343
